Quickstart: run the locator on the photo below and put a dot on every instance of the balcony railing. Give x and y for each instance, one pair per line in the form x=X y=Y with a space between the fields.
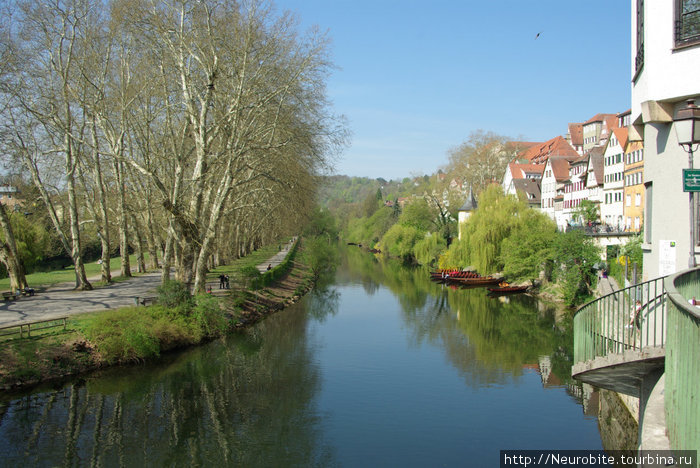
x=683 y=360
x=628 y=319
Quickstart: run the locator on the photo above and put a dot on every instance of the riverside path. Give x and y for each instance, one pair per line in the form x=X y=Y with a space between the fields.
x=61 y=300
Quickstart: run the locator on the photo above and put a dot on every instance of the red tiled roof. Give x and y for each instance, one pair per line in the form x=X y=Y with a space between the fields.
x=560 y=168
x=600 y=118
x=520 y=171
x=621 y=135
x=576 y=134
x=556 y=147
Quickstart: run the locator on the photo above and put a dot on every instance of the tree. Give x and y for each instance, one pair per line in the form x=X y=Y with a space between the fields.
x=490 y=224
x=527 y=251
x=587 y=211
x=482 y=159
x=575 y=256
x=9 y=254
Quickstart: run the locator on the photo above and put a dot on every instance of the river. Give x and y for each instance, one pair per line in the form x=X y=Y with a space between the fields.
x=376 y=367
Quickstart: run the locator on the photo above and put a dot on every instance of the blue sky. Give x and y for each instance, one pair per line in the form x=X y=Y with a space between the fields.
x=415 y=78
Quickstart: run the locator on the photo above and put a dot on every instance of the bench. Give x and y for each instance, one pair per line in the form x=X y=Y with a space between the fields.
x=7 y=295
x=27 y=291
x=138 y=300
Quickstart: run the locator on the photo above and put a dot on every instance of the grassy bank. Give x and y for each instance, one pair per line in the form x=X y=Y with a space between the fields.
x=135 y=334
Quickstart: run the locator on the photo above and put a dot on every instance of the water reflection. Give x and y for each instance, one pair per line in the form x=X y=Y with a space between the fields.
x=491 y=335
x=324 y=382
x=244 y=401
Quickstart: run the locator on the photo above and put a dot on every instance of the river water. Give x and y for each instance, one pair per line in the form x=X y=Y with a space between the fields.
x=377 y=367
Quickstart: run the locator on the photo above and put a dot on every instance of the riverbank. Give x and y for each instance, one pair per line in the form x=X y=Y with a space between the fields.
x=150 y=331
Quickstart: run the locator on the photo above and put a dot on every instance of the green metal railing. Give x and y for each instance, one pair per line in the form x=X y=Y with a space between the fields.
x=683 y=361
x=628 y=319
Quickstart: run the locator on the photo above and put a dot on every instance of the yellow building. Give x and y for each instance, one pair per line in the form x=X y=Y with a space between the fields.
x=633 y=199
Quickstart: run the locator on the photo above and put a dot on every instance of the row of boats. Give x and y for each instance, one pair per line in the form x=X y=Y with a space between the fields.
x=471 y=278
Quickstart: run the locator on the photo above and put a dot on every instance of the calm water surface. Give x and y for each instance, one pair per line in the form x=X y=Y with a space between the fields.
x=380 y=367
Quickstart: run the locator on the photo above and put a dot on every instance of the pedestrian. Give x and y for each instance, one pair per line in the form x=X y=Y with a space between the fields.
x=222 y=281
x=228 y=285
x=269 y=267
x=635 y=315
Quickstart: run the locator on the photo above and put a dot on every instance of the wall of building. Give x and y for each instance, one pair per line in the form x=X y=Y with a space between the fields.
x=667 y=217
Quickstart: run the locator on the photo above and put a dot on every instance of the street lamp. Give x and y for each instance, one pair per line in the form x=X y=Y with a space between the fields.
x=687 y=123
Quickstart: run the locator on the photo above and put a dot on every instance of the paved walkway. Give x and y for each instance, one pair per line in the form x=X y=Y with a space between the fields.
x=61 y=300
x=278 y=257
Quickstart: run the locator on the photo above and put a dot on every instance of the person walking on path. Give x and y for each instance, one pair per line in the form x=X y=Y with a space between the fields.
x=222 y=281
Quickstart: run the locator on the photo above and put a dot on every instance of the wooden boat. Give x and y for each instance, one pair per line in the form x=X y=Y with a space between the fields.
x=505 y=288
x=480 y=281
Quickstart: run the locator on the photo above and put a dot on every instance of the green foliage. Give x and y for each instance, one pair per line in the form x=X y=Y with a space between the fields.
x=127 y=334
x=371 y=204
x=419 y=215
x=250 y=276
x=137 y=333
x=528 y=249
x=320 y=255
x=175 y=295
x=322 y=223
x=456 y=256
x=368 y=231
x=208 y=316
x=575 y=256
x=31 y=239
x=586 y=212
x=428 y=249
x=400 y=240
x=490 y=224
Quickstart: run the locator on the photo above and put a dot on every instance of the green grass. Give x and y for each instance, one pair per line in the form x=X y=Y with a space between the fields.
x=67 y=275
x=254 y=259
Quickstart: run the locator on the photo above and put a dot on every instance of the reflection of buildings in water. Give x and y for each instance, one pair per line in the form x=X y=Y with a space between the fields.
x=590 y=399
x=585 y=394
x=545 y=364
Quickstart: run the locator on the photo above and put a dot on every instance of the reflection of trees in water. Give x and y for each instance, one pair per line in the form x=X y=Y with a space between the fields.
x=243 y=401
x=322 y=302
x=481 y=335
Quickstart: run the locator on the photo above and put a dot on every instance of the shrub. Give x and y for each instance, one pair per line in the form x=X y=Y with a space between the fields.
x=250 y=274
x=208 y=316
x=175 y=295
x=123 y=335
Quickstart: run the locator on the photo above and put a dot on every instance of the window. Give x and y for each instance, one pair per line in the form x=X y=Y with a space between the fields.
x=639 y=58
x=629 y=200
x=648 y=193
x=687 y=22
x=638 y=199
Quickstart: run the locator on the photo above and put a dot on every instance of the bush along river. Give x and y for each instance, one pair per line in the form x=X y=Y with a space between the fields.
x=377 y=366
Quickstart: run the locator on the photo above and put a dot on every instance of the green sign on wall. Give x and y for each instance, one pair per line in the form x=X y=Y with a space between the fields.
x=691 y=180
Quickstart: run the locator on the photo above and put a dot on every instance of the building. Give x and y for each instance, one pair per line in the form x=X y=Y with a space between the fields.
x=528 y=189
x=597 y=129
x=465 y=212
x=612 y=208
x=595 y=175
x=575 y=189
x=10 y=197
x=556 y=147
x=634 y=186
x=575 y=137
x=516 y=171
x=554 y=178
x=665 y=69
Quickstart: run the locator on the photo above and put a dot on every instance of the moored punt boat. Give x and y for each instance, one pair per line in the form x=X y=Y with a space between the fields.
x=505 y=288
x=480 y=281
